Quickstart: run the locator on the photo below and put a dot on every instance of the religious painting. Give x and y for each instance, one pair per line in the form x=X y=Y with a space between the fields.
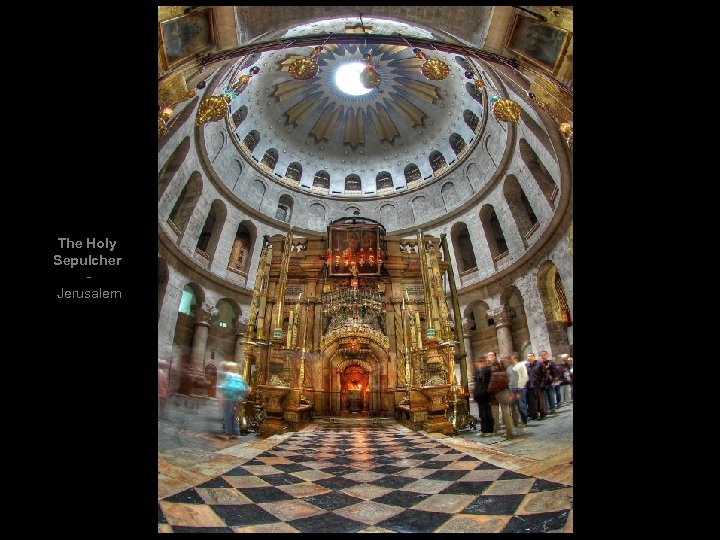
x=354 y=249
x=185 y=36
x=540 y=43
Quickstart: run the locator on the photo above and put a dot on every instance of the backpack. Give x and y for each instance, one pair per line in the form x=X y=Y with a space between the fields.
x=234 y=388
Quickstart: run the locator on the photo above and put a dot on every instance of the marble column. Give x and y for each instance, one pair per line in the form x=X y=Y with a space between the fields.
x=502 y=316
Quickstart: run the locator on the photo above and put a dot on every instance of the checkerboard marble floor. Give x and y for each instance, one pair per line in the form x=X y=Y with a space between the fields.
x=341 y=479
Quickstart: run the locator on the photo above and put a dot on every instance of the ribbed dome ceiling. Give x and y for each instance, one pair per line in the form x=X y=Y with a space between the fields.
x=314 y=127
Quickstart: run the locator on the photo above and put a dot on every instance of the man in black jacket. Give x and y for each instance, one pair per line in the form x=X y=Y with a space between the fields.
x=535 y=394
x=481 y=378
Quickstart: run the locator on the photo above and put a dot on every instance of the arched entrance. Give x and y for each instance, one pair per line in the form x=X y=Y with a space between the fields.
x=355 y=387
x=356 y=379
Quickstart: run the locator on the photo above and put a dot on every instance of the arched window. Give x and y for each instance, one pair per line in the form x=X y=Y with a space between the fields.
x=471 y=119
x=185 y=204
x=383 y=180
x=474 y=92
x=284 y=209
x=210 y=234
x=227 y=314
x=239 y=115
x=353 y=183
x=252 y=139
x=538 y=171
x=270 y=158
x=419 y=206
x=321 y=180
x=388 y=216
x=437 y=160
x=294 y=171
x=562 y=301
x=535 y=128
x=449 y=195
x=519 y=205
x=188 y=300
x=172 y=165
x=317 y=216
x=464 y=253
x=457 y=143
x=412 y=173
x=240 y=254
x=493 y=231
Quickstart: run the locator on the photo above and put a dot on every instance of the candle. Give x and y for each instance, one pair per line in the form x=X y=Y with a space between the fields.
x=299 y=297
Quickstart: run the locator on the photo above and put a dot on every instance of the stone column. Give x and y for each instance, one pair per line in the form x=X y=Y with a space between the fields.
x=502 y=316
x=203 y=314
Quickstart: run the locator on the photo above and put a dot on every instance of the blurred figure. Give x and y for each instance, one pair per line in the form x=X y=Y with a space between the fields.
x=162 y=387
x=234 y=390
x=481 y=377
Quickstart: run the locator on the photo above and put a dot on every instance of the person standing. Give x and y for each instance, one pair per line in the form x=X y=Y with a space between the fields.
x=234 y=390
x=498 y=383
x=517 y=386
x=548 y=382
x=536 y=396
x=482 y=397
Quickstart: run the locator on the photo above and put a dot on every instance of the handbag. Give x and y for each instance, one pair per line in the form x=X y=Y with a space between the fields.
x=504 y=396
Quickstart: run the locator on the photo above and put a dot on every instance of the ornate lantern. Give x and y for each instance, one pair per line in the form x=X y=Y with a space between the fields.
x=369 y=77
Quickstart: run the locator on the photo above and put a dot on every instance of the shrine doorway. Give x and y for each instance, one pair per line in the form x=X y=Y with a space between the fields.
x=355 y=389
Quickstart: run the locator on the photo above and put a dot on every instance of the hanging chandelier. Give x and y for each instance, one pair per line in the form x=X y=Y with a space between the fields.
x=215 y=108
x=506 y=110
x=369 y=77
x=433 y=69
x=305 y=68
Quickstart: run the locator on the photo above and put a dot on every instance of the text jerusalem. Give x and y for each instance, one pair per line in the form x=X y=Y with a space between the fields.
x=89 y=294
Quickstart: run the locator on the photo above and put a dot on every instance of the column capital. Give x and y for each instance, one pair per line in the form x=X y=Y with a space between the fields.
x=503 y=315
x=204 y=312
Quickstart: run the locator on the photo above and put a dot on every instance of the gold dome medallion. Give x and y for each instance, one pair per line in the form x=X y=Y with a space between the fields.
x=211 y=109
x=506 y=110
x=303 y=68
x=435 y=70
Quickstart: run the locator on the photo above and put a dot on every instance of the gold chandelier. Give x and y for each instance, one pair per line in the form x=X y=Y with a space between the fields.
x=369 y=77
x=433 y=69
x=506 y=110
x=305 y=68
x=215 y=108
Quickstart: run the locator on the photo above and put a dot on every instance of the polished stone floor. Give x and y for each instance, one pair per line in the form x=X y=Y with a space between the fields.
x=363 y=478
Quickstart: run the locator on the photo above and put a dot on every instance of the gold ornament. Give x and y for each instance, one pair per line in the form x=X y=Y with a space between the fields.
x=370 y=78
x=479 y=84
x=506 y=110
x=435 y=70
x=303 y=68
x=212 y=109
x=567 y=132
